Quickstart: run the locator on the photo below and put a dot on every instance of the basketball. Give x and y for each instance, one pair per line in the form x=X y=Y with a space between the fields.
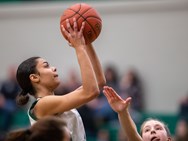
x=83 y=13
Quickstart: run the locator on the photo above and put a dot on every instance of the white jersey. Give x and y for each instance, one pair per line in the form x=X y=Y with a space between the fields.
x=74 y=124
x=73 y=120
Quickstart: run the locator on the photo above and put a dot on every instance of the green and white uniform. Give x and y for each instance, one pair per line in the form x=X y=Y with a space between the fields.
x=72 y=118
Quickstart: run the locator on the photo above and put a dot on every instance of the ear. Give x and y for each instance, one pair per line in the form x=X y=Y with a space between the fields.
x=169 y=139
x=34 y=78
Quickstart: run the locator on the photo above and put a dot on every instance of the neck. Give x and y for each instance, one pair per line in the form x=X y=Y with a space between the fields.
x=43 y=93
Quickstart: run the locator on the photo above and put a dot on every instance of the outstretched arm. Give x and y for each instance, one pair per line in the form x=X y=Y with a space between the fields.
x=121 y=107
x=96 y=66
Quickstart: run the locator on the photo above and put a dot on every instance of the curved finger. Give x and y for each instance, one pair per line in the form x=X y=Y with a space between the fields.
x=115 y=95
x=128 y=101
x=65 y=31
x=107 y=90
x=75 y=25
x=106 y=94
x=69 y=28
x=82 y=27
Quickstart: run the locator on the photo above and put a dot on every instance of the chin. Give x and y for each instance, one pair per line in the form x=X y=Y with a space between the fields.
x=57 y=83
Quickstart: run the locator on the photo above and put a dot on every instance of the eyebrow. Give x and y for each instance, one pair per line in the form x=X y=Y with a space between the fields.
x=154 y=126
x=45 y=62
x=158 y=125
x=146 y=126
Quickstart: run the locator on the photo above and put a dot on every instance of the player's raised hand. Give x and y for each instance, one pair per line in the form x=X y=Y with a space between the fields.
x=74 y=36
x=115 y=101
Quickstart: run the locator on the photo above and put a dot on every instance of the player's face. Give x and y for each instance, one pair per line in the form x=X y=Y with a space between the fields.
x=154 y=131
x=48 y=76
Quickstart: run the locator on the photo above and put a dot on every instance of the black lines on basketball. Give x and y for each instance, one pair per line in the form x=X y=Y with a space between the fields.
x=84 y=13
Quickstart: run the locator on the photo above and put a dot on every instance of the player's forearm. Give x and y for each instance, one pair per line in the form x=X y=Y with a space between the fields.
x=129 y=126
x=87 y=73
x=96 y=66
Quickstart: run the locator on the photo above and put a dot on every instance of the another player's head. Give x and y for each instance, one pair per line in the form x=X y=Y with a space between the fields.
x=35 y=75
x=154 y=129
x=46 y=129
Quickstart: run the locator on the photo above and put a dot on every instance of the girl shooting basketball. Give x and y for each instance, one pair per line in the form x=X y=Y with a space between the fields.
x=37 y=78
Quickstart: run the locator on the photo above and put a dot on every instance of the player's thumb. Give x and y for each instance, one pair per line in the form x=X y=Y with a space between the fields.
x=128 y=101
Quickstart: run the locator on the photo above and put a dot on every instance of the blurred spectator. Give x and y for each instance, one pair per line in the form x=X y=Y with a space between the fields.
x=103 y=135
x=131 y=86
x=8 y=92
x=183 y=107
x=181 y=131
x=112 y=77
x=73 y=81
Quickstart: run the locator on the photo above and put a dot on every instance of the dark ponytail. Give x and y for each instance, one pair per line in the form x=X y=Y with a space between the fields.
x=22 y=98
x=19 y=135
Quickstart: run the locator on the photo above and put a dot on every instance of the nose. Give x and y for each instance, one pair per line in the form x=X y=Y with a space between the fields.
x=153 y=131
x=54 y=69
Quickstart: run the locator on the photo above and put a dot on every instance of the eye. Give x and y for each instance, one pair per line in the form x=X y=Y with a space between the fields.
x=146 y=130
x=46 y=65
x=158 y=128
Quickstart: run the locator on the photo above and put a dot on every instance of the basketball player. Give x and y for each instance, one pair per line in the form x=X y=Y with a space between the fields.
x=37 y=78
x=151 y=129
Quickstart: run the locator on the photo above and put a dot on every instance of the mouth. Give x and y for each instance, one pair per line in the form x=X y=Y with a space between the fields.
x=56 y=75
x=155 y=139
